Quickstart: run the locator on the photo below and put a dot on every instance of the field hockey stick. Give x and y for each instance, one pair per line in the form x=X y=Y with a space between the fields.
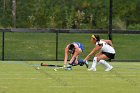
x=51 y=65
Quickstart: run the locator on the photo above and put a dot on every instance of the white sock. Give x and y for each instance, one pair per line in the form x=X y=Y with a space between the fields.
x=107 y=65
x=94 y=62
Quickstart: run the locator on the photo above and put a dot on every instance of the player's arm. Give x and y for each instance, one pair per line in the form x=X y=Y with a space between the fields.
x=66 y=56
x=109 y=42
x=97 y=47
x=74 y=55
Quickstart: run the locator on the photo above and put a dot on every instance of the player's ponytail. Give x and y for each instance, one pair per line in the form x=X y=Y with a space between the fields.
x=97 y=37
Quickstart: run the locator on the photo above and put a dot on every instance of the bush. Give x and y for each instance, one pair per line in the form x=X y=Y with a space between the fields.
x=119 y=24
x=134 y=27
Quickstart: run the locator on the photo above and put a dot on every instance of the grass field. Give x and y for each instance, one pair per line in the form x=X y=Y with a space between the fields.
x=22 y=77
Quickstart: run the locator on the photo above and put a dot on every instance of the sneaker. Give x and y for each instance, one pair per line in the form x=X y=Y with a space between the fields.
x=92 y=69
x=86 y=63
x=68 y=68
x=109 y=68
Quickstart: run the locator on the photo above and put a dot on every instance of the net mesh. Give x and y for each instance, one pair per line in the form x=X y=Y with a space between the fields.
x=42 y=46
x=30 y=46
x=0 y=45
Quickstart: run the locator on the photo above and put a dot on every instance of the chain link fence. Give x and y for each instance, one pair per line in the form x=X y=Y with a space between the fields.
x=44 y=44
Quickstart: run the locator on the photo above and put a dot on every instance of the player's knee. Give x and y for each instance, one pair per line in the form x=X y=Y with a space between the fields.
x=96 y=55
x=98 y=59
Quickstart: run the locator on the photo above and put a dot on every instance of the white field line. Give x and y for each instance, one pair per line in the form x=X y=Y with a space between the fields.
x=18 y=78
x=5 y=78
x=48 y=78
x=101 y=75
x=94 y=72
x=83 y=73
x=126 y=64
x=59 y=72
x=4 y=87
x=21 y=72
x=72 y=86
x=17 y=74
x=68 y=75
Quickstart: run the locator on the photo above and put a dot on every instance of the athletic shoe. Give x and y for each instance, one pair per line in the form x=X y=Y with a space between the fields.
x=86 y=63
x=109 y=68
x=92 y=69
x=68 y=68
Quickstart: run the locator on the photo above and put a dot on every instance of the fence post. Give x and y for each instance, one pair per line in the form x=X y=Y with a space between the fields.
x=57 y=45
x=2 y=46
x=110 y=20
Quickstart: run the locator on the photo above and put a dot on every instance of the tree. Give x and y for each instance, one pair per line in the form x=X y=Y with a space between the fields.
x=14 y=12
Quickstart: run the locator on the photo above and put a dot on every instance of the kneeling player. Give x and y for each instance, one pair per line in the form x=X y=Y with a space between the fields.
x=75 y=49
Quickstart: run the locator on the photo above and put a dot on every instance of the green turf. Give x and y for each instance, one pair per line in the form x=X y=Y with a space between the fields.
x=22 y=77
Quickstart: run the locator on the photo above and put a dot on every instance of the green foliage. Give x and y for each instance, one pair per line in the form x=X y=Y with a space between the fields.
x=134 y=27
x=5 y=13
x=124 y=11
x=119 y=24
x=82 y=14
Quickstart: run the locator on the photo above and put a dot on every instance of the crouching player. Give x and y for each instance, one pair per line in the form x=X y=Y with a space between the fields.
x=106 y=52
x=74 y=49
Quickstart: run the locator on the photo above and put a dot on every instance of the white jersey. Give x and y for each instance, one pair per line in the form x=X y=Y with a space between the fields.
x=105 y=47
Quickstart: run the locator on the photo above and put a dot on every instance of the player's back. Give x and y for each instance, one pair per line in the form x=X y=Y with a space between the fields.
x=106 y=47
